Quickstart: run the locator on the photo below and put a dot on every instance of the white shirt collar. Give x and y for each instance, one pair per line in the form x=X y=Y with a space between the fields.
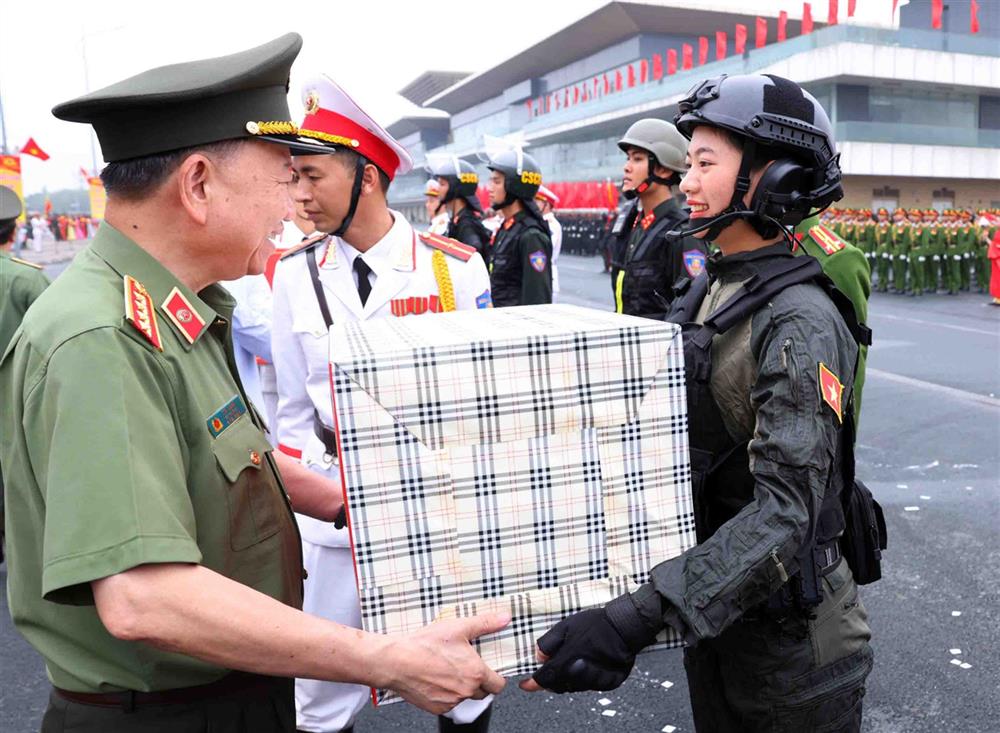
x=386 y=253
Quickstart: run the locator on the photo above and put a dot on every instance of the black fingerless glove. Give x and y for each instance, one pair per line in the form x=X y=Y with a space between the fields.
x=594 y=649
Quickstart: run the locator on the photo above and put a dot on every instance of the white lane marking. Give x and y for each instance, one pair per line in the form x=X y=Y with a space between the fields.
x=960 y=394
x=935 y=323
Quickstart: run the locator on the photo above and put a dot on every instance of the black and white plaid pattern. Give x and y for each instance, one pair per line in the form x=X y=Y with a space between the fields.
x=531 y=459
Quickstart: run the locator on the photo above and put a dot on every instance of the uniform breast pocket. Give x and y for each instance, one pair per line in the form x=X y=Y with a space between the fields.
x=252 y=493
x=314 y=338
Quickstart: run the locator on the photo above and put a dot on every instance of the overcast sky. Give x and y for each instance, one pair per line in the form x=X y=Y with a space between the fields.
x=372 y=48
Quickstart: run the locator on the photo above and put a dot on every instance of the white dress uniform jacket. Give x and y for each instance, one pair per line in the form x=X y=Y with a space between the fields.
x=555 y=228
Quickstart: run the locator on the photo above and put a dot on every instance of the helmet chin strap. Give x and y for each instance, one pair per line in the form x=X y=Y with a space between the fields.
x=649 y=181
x=359 y=174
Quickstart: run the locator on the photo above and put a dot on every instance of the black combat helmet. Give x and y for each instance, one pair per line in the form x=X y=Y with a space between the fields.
x=461 y=176
x=777 y=120
x=521 y=173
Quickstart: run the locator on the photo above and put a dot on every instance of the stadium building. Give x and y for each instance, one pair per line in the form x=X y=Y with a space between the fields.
x=916 y=109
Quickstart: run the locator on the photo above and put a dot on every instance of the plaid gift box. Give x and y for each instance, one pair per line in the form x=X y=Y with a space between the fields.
x=533 y=460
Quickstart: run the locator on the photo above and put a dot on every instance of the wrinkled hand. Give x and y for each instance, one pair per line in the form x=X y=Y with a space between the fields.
x=589 y=651
x=436 y=667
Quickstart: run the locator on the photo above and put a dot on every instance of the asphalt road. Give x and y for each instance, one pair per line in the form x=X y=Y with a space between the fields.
x=929 y=448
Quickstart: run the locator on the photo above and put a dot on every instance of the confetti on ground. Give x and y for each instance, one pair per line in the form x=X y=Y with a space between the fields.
x=902 y=486
x=965 y=665
x=604 y=701
x=666 y=684
x=957 y=662
x=911 y=509
x=956 y=613
x=925 y=497
x=609 y=713
x=668 y=729
x=954 y=652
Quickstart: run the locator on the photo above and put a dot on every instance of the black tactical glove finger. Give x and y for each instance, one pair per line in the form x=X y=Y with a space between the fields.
x=588 y=650
x=340 y=521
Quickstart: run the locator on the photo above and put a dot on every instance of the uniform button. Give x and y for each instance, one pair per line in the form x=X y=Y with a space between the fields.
x=255 y=458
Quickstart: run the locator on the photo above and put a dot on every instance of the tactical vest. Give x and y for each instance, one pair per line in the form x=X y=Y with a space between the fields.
x=469 y=229
x=641 y=270
x=722 y=483
x=505 y=260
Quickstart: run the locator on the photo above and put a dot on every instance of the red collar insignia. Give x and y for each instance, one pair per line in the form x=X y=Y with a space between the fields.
x=647 y=220
x=183 y=315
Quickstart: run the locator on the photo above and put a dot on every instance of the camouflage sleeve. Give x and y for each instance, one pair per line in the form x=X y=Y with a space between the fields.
x=705 y=590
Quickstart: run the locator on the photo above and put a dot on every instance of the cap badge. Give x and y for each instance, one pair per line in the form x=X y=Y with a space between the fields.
x=312 y=102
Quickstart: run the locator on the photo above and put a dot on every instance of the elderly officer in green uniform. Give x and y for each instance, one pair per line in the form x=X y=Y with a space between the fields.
x=21 y=282
x=154 y=559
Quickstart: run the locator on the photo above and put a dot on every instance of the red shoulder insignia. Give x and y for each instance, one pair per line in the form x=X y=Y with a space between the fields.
x=826 y=239
x=831 y=390
x=304 y=245
x=447 y=245
x=140 y=312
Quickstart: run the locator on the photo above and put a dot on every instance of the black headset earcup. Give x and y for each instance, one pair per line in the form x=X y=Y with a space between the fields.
x=781 y=185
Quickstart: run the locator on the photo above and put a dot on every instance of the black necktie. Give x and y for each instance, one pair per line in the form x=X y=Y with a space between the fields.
x=364 y=286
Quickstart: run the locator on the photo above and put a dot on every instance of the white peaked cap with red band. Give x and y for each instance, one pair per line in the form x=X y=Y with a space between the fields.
x=336 y=119
x=546 y=194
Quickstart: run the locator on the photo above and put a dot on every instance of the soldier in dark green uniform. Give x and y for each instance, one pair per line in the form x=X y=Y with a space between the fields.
x=882 y=251
x=650 y=258
x=154 y=561
x=933 y=242
x=21 y=282
x=764 y=651
x=967 y=234
x=903 y=242
x=983 y=236
x=521 y=252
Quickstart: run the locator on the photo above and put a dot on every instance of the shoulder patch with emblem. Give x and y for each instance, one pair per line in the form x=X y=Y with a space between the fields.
x=19 y=261
x=694 y=262
x=826 y=239
x=448 y=245
x=183 y=315
x=538 y=260
x=831 y=390
x=304 y=245
x=140 y=311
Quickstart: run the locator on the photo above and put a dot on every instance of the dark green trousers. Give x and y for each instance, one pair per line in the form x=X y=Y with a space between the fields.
x=795 y=676
x=257 y=711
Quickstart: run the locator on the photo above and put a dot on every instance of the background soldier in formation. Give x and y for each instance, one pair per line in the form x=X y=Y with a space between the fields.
x=457 y=182
x=521 y=251
x=648 y=257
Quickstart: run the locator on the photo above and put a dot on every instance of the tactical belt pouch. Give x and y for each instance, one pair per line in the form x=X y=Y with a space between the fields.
x=864 y=535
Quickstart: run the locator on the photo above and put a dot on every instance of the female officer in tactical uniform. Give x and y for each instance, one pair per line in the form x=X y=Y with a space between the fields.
x=777 y=637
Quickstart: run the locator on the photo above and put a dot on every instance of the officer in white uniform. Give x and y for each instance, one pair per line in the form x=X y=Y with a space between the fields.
x=437 y=214
x=365 y=262
x=547 y=202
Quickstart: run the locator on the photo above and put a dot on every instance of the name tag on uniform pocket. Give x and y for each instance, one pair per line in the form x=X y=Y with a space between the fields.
x=226 y=416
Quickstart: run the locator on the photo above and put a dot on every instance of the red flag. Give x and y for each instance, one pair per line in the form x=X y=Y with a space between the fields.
x=607 y=85
x=760 y=36
x=895 y=3
x=782 y=26
x=937 y=10
x=631 y=76
x=576 y=95
x=721 y=45
x=831 y=15
x=672 y=60
x=643 y=71
x=31 y=148
x=702 y=50
x=48 y=206
x=807 y=18
x=657 y=67
x=687 y=52
x=974 y=18
x=597 y=84
x=852 y=5
x=566 y=98
x=740 y=39
x=618 y=79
